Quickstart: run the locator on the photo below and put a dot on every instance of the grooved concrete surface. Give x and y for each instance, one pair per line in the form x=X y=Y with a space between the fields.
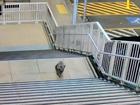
x=18 y=37
x=42 y=69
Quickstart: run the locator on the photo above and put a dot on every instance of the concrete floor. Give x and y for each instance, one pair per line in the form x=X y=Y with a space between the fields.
x=20 y=37
x=43 y=69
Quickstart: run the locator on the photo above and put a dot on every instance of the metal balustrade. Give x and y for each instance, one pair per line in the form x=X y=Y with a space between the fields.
x=27 y=12
x=23 y=12
x=116 y=59
x=51 y=22
x=121 y=60
x=32 y=12
x=82 y=37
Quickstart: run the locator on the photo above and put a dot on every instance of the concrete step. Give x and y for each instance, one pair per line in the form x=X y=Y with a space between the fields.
x=66 y=92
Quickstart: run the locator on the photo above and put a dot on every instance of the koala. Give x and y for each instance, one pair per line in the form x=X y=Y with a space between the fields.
x=59 y=68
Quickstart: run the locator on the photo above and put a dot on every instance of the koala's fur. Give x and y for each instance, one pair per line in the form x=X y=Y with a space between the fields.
x=59 y=68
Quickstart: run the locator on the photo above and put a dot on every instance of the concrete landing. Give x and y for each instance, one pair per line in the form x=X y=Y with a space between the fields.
x=43 y=69
x=21 y=37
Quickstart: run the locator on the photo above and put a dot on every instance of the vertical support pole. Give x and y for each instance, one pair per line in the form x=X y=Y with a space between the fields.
x=112 y=59
x=19 y=14
x=102 y=46
x=138 y=86
x=128 y=4
x=3 y=14
x=89 y=48
x=37 y=12
x=85 y=10
x=126 y=62
x=75 y=7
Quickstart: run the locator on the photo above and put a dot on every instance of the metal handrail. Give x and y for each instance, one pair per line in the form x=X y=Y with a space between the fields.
x=101 y=52
x=71 y=36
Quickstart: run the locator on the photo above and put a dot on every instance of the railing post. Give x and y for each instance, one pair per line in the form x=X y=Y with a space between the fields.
x=126 y=62
x=85 y=10
x=128 y=4
x=75 y=7
x=138 y=86
x=37 y=10
x=99 y=44
x=63 y=43
x=52 y=15
x=3 y=15
x=101 y=55
x=19 y=10
x=112 y=58
x=91 y=33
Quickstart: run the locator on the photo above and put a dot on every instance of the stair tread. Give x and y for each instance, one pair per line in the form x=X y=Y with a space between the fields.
x=74 y=91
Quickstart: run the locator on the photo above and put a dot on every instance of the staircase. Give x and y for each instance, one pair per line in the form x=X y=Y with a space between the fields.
x=67 y=92
x=116 y=59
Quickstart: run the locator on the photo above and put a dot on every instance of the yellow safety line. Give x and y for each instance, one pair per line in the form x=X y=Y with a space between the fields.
x=114 y=13
x=88 y=12
x=119 y=7
x=133 y=7
x=61 y=9
x=105 y=9
x=123 y=4
x=94 y=10
x=109 y=8
x=113 y=3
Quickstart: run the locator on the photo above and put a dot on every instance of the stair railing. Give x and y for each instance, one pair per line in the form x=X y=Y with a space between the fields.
x=118 y=60
x=121 y=61
x=29 y=12
x=23 y=12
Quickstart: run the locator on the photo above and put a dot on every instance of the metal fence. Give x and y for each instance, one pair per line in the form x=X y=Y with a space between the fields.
x=25 y=12
x=75 y=36
x=121 y=60
x=81 y=37
x=116 y=59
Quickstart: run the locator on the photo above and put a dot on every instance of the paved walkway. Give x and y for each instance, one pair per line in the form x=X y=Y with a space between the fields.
x=42 y=69
x=20 y=37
